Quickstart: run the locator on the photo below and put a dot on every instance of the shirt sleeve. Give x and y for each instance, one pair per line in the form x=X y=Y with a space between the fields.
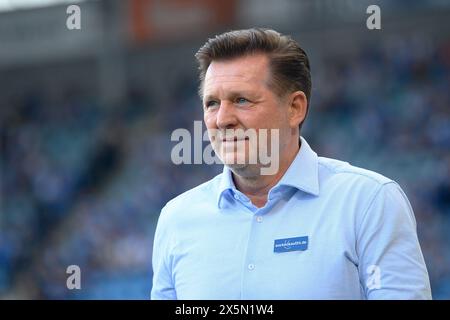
x=390 y=261
x=163 y=287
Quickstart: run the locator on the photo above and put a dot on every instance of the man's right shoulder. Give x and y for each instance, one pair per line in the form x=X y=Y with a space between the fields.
x=202 y=193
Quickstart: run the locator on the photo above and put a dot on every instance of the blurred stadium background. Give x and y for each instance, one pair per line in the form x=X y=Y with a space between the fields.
x=86 y=117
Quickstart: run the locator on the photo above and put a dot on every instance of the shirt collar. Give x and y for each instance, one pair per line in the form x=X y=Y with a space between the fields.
x=226 y=183
x=302 y=174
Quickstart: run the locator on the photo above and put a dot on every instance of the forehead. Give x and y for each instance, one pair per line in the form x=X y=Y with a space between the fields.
x=244 y=71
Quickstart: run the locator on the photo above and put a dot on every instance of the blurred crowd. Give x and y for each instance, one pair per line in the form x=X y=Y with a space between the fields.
x=83 y=183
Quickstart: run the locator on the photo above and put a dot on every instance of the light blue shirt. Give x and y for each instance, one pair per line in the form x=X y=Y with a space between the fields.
x=329 y=230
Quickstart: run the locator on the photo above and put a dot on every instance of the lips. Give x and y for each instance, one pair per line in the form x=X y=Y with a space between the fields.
x=234 y=139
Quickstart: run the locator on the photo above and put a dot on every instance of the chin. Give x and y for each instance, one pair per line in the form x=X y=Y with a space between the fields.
x=245 y=170
x=234 y=159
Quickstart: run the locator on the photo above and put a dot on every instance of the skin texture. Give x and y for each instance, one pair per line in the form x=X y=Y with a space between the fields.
x=236 y=95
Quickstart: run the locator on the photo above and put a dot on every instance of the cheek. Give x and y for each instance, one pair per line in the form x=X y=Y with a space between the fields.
x=269 y=120
x=280 y=119
x=210 y=120
x=271 y=116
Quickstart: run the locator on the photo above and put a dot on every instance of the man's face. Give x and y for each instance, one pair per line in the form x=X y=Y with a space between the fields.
x=236 y=96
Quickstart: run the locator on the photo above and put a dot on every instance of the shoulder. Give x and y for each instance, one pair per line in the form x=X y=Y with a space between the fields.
x=344 y=170
x=199 y=195
x=354 y=183
x=374 y=197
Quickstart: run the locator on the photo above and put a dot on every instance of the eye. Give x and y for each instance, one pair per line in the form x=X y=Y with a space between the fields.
x=211 y=103
x=241 y=100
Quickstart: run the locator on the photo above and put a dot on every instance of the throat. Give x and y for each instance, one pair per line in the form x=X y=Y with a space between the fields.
x=258 y=201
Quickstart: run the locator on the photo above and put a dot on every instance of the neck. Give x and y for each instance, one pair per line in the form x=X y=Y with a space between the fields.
x=258 y=187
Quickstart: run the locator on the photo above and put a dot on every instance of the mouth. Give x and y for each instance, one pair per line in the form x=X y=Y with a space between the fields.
x=234 y=139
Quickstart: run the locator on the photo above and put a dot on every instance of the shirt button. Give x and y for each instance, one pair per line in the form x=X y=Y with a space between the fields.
x=259 y=219
x=251 y=266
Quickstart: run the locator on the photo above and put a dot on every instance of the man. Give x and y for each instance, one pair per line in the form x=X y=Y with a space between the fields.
x=316 y=228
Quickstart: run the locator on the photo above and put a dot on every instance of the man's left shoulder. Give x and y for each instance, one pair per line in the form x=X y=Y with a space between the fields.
x=347 y=173
x=360 y=186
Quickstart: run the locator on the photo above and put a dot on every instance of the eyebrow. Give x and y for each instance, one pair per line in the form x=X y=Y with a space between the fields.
x=232 y=94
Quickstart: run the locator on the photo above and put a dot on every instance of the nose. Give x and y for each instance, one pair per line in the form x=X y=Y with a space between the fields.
x=226 y=115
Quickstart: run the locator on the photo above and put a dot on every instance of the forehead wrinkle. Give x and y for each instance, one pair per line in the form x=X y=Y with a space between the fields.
x=238 y=86
x=229 y=78
x=243 y=71
x=229 y=91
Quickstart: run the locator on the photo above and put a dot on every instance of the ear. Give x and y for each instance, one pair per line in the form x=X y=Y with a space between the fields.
x=298 y=106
